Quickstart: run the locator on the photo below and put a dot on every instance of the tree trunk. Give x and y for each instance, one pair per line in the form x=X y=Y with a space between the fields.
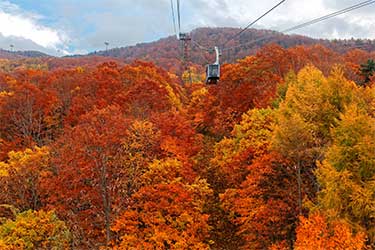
x=106 y=202
x=299 y=186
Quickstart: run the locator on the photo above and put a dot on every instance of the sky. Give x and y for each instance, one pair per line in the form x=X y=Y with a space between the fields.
x=63 y=27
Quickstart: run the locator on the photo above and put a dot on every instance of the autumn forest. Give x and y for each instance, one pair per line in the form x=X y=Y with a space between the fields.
x=98 y=153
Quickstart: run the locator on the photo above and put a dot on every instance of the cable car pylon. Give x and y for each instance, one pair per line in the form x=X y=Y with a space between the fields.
x=185 y=40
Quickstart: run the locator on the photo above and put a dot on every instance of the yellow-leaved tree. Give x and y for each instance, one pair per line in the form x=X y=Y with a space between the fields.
x=309 y=110
x=347 y=175
x=34 y=230
x=20 y=177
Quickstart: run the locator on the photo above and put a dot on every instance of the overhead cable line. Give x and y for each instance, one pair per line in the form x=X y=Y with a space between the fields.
x=179 y=16
x=314 y=21
x=174 y=19
x=340 y=12
x=253 y=22
x=201 y=46
x=241 y=31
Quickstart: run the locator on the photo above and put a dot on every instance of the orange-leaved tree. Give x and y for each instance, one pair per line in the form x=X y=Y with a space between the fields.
x=167 y=212
x=318 y=233
x=85 y=175
x=264 y=206
x=28 y=114
x=164 y=216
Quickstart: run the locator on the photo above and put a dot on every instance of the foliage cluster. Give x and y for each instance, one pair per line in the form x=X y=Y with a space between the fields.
x=279 y=155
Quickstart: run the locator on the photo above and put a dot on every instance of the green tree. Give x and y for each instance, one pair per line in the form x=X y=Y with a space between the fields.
x=367 y=70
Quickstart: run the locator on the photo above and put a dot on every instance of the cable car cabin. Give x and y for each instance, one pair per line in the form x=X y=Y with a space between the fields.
x=212 y=73
x=213 y=70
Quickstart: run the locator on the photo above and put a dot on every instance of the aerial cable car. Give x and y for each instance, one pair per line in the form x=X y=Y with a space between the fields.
x=213 y=70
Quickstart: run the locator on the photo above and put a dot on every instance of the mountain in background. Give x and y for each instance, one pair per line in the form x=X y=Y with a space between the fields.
x=166 y=52
x=6 y=54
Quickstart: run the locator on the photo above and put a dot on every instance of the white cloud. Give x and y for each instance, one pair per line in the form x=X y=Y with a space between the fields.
x=18 y=23
x=358 y=23
x=81 y=26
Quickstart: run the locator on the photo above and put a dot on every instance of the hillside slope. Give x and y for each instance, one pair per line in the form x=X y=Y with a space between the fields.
x=166 y=52
x=5 y=54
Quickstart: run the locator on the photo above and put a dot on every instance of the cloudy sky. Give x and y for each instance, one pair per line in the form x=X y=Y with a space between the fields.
x=79 y=26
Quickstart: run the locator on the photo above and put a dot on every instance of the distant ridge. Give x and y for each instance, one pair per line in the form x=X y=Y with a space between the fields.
x=165 y=52
x=168 y=48
x=6 y=54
